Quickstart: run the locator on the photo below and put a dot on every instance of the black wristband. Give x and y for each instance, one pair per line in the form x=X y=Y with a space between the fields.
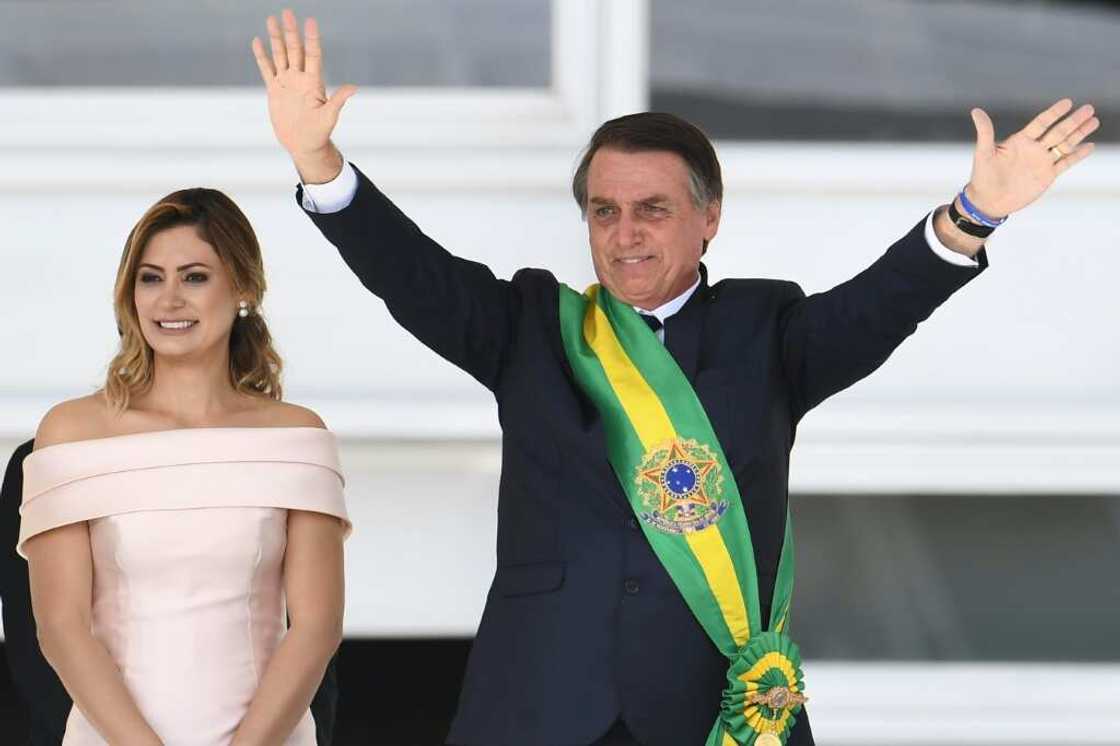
x=966 y=225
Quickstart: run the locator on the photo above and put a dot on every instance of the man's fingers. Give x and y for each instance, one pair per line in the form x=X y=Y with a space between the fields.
x=340 y=97
x=1084 y=131
x=1081 y=153
x=292 y=42
x=1038 y=126
x=1063 y=129
x=314 y=52
x=264 y=64
x=279 y=53
x=985 y=131
x=1070 y=143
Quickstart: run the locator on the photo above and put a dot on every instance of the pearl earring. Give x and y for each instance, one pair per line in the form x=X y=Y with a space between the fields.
x=243 y=308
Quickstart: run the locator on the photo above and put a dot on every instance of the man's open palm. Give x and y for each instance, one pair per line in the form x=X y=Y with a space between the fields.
x=303 y=117
x=1009 y=175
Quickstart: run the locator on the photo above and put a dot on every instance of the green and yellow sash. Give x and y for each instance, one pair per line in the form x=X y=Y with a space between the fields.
x=674 y=472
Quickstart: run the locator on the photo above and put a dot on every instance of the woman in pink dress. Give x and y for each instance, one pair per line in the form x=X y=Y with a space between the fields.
x=174 y=519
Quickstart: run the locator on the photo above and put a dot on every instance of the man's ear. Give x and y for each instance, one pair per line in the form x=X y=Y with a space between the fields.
x=711 y=219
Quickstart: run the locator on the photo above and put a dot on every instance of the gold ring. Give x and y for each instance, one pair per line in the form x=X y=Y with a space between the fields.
x=1057 y=153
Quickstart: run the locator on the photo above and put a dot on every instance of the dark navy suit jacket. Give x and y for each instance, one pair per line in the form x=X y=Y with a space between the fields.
x=48 y=703
x=582 y=624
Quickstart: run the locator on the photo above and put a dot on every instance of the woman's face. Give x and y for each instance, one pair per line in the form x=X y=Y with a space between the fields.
x=185 y=298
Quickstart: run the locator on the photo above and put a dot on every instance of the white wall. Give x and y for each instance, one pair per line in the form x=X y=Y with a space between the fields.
x=1009 y=387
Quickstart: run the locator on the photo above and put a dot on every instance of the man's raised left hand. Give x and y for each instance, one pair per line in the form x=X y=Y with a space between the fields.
x=1009 y=175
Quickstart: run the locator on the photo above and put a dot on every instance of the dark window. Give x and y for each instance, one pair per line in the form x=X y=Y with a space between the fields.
x=963 y=578
x=206 y=43
x=868 y=70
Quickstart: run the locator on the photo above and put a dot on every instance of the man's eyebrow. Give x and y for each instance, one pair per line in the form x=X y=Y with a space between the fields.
x=650 y=200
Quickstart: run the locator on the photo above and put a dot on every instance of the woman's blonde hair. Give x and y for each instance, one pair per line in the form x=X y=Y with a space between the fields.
x=254 y=365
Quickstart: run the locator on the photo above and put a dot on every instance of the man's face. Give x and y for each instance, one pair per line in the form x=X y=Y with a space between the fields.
x=646 y=232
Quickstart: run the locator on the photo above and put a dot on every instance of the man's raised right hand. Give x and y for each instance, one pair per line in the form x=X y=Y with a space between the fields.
x=302 y=115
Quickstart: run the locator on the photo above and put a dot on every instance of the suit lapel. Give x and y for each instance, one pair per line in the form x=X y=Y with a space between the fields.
x=683 y=329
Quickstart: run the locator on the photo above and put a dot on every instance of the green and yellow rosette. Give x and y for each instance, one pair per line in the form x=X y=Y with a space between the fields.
x=674 y=472
x=763 y=694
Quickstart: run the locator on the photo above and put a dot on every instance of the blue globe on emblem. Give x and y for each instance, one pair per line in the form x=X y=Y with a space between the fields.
x=680 y=479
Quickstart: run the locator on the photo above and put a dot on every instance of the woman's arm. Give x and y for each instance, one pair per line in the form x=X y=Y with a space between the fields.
x=36 y=682
x=61 y=572
x=313 y=584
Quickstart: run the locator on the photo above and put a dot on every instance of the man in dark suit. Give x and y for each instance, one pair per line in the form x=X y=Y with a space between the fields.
x=48 y=704
x=585 y=638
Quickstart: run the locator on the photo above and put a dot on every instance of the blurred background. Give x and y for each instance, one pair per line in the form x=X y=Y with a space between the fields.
x=958 y=513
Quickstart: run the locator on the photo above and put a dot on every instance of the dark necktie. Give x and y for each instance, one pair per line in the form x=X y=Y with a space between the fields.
x=652 y=322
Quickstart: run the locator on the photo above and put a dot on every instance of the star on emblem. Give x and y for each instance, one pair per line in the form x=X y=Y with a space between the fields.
x=680 y=478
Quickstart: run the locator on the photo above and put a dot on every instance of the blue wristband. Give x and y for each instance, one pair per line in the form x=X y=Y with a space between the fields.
x=978 y=216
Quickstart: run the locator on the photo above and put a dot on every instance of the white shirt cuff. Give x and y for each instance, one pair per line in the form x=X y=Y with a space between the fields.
x=335 y=195
x=953 y=257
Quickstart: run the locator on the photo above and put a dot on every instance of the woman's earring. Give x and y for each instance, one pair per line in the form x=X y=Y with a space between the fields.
x=243 y=308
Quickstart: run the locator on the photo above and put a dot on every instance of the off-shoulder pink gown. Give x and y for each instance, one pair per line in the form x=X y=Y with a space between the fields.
x=188 y=530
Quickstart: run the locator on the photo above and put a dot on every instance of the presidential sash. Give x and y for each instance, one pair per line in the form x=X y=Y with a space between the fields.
x=678 y=482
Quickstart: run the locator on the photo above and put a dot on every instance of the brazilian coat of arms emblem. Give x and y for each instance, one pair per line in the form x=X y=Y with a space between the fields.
x=680 y=484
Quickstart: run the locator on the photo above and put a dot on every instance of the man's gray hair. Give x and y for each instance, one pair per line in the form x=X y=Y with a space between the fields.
x=653 y=131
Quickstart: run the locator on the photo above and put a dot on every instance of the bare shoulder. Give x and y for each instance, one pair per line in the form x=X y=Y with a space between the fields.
x=286 y=414
x=84 y=418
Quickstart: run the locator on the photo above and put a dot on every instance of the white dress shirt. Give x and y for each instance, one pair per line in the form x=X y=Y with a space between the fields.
x=667 y=309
